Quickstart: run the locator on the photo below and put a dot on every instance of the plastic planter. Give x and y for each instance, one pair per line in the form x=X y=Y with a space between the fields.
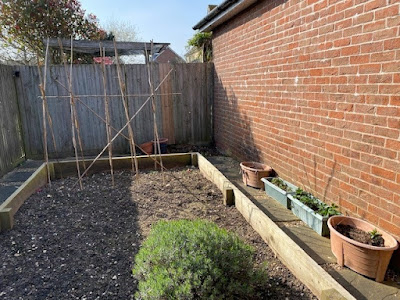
x=365 y=259
x=277 y=193
x=317 y=222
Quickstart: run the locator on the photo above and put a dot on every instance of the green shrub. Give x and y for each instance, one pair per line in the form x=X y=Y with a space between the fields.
x=195 y=260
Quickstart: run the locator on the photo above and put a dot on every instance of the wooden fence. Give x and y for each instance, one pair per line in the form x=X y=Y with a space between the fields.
x=11 y=148
x=183 y=103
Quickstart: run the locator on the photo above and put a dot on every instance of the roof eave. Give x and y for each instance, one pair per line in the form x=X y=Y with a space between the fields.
x=222 y=13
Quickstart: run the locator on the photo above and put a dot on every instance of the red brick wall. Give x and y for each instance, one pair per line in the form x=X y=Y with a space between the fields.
x=312 y=88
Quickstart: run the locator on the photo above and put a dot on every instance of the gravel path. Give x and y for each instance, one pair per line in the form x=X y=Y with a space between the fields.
x=71 y=244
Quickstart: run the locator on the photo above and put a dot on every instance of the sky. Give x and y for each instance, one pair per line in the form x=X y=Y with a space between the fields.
x=168 y=21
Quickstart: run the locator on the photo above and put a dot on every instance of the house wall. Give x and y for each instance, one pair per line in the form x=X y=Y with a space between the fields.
x=312 y=88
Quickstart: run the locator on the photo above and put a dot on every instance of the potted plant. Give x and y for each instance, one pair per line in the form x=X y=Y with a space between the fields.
x=278 y=189
x=312 y=211
x=252 y=172
x=358 y=245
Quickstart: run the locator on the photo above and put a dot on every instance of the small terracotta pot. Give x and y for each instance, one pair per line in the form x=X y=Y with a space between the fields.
x=371 y=261
x=252 y=172
x=147 y=148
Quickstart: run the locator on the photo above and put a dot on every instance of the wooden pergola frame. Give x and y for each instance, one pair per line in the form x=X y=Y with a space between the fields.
x=122 y=48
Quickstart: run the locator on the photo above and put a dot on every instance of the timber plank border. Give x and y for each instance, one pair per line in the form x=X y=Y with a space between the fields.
x=68 y=168
x=292 y=255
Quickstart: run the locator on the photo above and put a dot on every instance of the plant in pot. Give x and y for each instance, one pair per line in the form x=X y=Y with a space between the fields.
x=312 y=211
x=360 y=246
x=252 y=172
x=278 y=189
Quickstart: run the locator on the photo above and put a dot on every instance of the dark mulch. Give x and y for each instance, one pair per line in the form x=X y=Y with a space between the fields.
x=360 y=235
x=71 y=244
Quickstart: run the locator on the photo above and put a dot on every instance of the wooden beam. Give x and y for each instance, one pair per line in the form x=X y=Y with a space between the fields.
x=9 y=207
x=291 y=254
x=92 y=47
x=229 y=197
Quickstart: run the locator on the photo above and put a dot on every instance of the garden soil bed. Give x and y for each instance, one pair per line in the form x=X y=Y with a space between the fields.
x=360 y=235
x=72 y=244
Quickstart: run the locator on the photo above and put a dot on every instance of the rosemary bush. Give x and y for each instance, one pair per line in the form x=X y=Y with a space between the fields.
x=195 y=260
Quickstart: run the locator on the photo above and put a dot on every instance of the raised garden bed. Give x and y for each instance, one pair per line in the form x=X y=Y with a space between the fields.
x=76 y=244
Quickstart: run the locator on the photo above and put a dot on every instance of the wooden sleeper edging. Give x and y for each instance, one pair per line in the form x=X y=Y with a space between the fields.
x=292 y=255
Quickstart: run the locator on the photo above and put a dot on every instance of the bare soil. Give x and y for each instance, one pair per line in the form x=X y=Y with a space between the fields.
x=360 y=235
x=72 y=244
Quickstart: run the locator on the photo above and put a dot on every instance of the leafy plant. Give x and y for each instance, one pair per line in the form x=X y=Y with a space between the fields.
x=199 y=39
x=315 y=204
x=202 y=40
x=374 y=234
x=328 y=210
x=25 y=24
x=281 y=184
x=195 y=260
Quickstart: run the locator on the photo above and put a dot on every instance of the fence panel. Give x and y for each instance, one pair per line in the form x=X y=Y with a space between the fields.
x=11 y=147
x=183 y=106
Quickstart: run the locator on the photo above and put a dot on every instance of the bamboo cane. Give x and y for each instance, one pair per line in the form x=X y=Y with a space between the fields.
x=135 y=165
x=107 y=114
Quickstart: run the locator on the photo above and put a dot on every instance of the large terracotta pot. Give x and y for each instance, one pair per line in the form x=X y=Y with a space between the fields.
x=371 y=261
x=252 y=172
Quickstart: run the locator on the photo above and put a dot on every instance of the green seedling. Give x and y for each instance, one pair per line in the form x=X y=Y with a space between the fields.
x=280 y=184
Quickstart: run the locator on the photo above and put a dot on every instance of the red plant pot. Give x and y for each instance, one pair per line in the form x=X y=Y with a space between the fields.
x=371 y=261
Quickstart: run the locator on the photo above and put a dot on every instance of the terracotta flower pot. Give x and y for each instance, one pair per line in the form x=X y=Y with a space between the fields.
x=371 y=261
x=147 y=148
x=252 y=172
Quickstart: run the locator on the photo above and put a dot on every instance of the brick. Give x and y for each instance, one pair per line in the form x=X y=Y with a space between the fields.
x=379 y=212
x=367 y=215
x=391 y=44
x=361 y=38
x=380 y=172
x=391 y=67
x=372 y=47
x=385 y=78
x=370 y=68
x=352 y=50
x=389 y=227
x=387 y=12
x=360 y=59
x=374 y=26
x=371 y=180
x=390 y=207
x=383 y=152
x=393 y=144
x=371 y=5
x=364 y=18
x=344 y=5
x=389 y=111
